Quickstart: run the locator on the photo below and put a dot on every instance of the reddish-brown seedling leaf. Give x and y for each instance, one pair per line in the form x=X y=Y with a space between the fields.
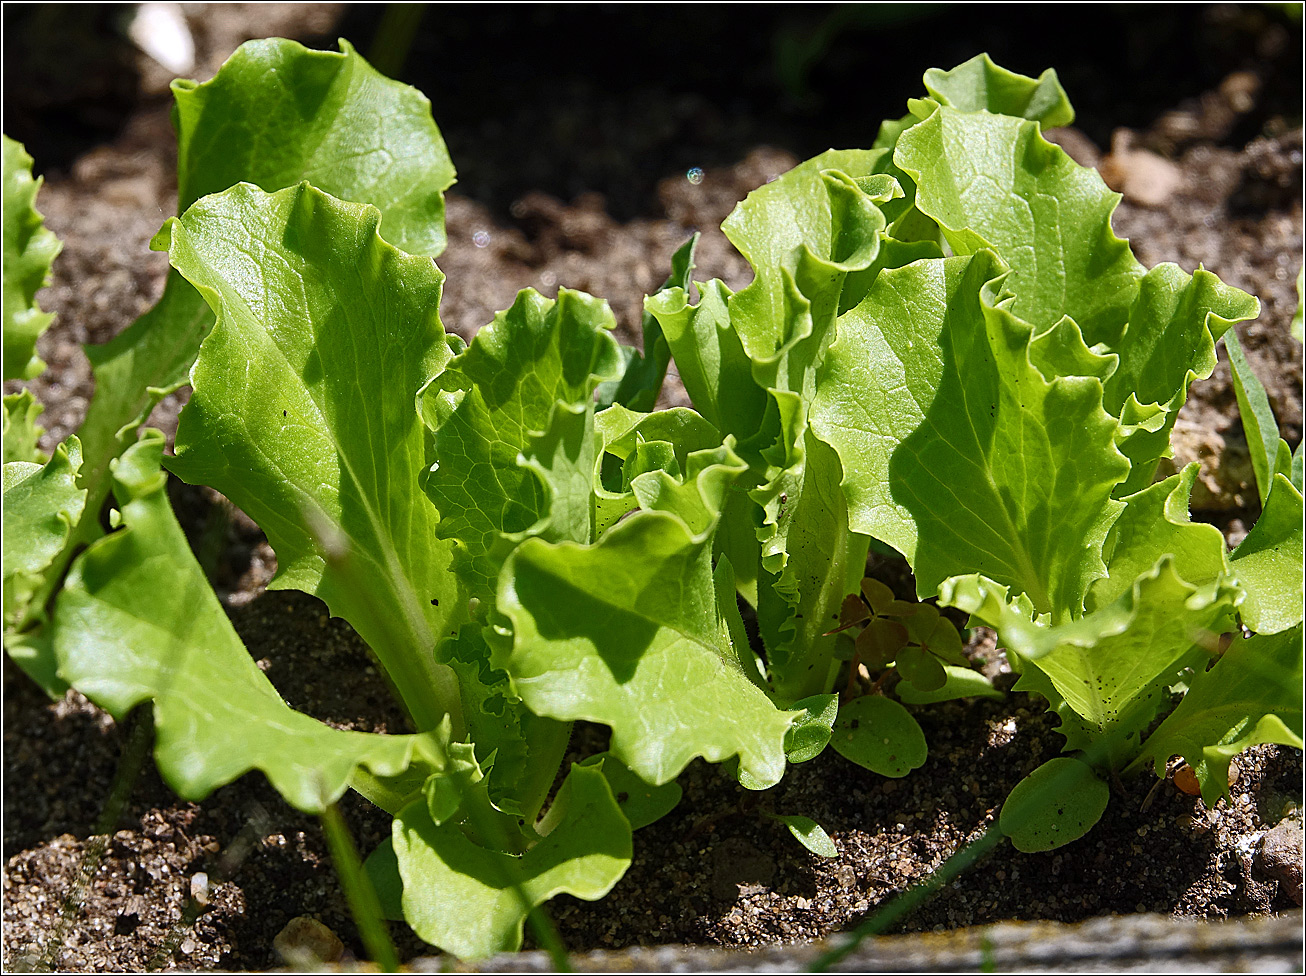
x=880 y=642
x=922 y=624
x=883 y=602
x=851 y=613
x=877 y=594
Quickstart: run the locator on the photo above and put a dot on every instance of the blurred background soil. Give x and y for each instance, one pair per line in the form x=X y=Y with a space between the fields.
x=575 y=130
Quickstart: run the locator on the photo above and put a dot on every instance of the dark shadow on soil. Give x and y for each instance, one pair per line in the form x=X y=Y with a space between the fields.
x=682 y=89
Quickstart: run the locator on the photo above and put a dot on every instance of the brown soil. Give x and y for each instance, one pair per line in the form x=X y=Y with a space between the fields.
x=1226 y=194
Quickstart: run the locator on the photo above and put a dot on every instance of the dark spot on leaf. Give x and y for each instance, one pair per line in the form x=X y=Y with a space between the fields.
x=623 y=796
x=283 y=413
x=854 y=723
x=435 y=602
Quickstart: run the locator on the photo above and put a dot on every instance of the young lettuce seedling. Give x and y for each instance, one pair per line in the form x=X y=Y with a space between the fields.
x=404 y=479
x=274 y=115
x=1055 y=370
x=836 y=243
x=109 y=633
x=996 y=415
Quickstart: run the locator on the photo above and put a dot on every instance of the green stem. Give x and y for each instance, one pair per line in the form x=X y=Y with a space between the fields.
x=359 y=893
x=546 y=934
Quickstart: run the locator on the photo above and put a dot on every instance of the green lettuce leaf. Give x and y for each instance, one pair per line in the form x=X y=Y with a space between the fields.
x=277 y=113
x=302 y=414
x=472 y=900
x=956 y=450
x=641 y=803
x=51 y=506
x=21 y=431
x=137 y=621
x=1110 y=666
x=1252 y=695
x=803 y=234
x=825 y=561
x=1154 y=523
x=641 y=379
x=133 y=371
x=992 y=181
x=1268 y=563
x=1269 y=453
x=710 y=357
x=29 y=250
x=520 y=751
x=517 y=455
x=979 y=85
x=1049 y=220
x=627 y=632
x=810 y=733
x=1169 y=342
x=814 y=237
x=41 y=505
x=629 y=438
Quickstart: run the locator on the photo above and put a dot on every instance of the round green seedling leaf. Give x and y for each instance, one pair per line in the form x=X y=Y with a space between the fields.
x=1055 y=804
x=810 y=834
x=921 y=668
x=937 y=633
x=960 y=683
x=810 y=733
x=879 y=734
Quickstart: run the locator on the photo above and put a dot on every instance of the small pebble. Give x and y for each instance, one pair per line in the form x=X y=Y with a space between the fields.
x=1142 y=177
x=1279 y=856
x=306 y=940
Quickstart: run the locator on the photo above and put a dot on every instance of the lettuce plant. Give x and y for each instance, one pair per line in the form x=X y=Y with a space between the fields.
x=1000 y=413
x=276 y=114
x=944 y=350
